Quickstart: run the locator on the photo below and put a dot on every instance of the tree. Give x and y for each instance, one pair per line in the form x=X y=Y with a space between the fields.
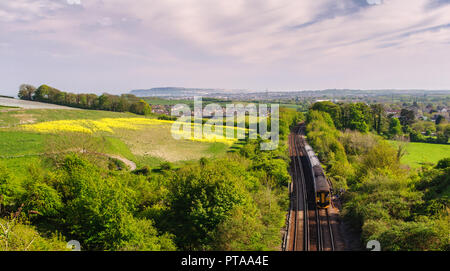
x=42 y=93
x=26 y=92
x=98 y=210
x=395 y=127
x=443 y=164
x=334 y=110
x=200 y=199
x=356 y=116
x=407 y=117
x=440 y=119
x=441 y=138
x=141 y=108
x=378 y=113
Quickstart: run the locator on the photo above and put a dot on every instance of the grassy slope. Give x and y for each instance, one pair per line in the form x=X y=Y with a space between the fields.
x=149 y=146
x=15 y=117
x=420 y=153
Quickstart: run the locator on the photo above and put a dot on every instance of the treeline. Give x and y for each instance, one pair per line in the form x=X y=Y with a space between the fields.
x=233 y=203
x=108 y=102
x=402 y=210
x=364 y=118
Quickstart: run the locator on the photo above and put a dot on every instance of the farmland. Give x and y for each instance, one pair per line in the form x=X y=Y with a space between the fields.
x=418 y=154
x=27 y=133
x=66 y=169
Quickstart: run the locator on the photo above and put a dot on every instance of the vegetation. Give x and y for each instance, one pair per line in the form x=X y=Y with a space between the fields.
x=364 y=118
x=401 y=209
x=422 y=154
x=145 y=141
x=123 y=103
x=232 y=202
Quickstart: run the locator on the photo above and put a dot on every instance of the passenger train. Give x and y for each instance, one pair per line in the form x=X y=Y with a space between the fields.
x=321 y=186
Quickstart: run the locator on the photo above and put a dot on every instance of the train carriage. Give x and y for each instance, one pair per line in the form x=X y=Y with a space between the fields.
x=323 y=197
x=321 y=185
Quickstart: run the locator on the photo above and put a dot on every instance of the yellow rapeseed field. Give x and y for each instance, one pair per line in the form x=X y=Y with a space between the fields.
x=92 y=126
x=109 y=124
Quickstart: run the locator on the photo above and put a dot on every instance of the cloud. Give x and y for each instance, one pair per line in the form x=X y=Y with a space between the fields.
x=374 y=2
x=74 y=2
x=238 y=40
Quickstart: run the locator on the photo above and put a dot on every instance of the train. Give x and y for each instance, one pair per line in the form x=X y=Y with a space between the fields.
x=322 y=187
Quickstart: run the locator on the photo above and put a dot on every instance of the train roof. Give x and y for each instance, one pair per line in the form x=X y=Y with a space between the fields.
x=312 y=156
x=322 y=184
x=318 y=170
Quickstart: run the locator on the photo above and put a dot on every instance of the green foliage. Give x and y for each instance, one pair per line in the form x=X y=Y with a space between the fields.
x=10 y=190
x=18 y=236
x=325 y=140
x=354 y=116
x=334 y=111
x=402 y=211
x=98 y=210
x=443 y=164
x=409 y=236
x=199 y=200
x=241 y=230
x=141 y=108
x=123 y=103
x=380 y=157
x=233 y=203
x=116 y=164
x=395 y=128
x=407 y=117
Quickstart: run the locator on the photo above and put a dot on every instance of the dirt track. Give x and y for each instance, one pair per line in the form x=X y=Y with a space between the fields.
x=131 y=165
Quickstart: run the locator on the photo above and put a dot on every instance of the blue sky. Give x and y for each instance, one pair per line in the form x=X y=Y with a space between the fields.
x=119 y=45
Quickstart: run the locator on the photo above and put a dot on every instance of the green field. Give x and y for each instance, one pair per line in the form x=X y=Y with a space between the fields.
x=149 y=144
x=418 y=154
x=16 y=117
x=6 y=107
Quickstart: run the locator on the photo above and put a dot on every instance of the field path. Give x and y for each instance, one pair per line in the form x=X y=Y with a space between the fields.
x=131 y=165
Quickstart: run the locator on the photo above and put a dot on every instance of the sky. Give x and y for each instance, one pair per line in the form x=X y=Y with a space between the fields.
x=119 y=45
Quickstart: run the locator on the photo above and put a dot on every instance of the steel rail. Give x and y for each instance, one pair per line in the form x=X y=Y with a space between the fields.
x=298 y=147
x=331 y=230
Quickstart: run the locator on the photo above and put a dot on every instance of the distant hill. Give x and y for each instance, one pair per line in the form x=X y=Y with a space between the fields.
x=182 y=92
x=245 y=94
x=173 y=91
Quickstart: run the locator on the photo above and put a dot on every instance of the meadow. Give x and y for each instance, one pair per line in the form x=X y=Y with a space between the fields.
x=418 y=154
x=27 y=134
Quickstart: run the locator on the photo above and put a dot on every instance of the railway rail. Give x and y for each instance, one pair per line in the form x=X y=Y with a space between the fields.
x=308 y=227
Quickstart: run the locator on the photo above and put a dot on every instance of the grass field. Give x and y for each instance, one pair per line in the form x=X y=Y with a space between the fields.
x=7 y=107
x=14 y=118
x=27 y=134
x=418 y=154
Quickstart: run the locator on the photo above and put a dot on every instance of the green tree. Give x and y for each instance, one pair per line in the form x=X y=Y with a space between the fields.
x=407 y=117
x=200 y=199
x=440 y=119
x=334 y=110
x=141 y=108
x=395 y=128
x=41 y=93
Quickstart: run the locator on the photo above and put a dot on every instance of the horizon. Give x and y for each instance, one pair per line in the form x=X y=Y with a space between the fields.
x=14 y=93
x=95 y=46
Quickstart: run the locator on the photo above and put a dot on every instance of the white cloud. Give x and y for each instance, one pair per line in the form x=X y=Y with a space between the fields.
x=74 y=2
x=242 y=36
x=374 y=2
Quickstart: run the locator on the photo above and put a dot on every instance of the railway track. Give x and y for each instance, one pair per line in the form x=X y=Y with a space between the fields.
x=309 y=228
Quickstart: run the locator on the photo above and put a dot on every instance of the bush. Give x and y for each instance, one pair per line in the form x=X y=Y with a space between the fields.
x=444 y=163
